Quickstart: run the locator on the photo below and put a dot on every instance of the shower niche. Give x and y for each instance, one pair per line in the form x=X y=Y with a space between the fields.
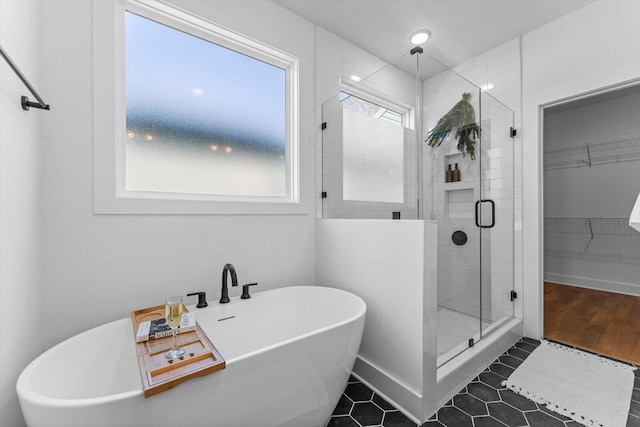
x=459 y=203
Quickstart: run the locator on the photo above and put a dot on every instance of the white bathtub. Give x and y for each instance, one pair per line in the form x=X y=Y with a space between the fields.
x=289 y=353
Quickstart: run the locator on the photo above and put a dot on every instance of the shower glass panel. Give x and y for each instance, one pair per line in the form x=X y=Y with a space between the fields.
x=452 y=195
x=378 y=163
x=369 y=156
x=474 y=208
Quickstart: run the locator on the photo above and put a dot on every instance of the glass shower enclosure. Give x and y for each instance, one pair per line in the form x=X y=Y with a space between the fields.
x=414 y=140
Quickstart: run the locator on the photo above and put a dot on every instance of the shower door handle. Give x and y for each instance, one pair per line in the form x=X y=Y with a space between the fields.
x=493 y=213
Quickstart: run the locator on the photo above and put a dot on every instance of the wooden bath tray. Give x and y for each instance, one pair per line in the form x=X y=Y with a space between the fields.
x=160 y=374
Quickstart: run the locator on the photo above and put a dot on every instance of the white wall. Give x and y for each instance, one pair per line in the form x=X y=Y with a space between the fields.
x=611 y=260
x=21 y=327
x=588 y=49
x=392 y=266
x=103 y=266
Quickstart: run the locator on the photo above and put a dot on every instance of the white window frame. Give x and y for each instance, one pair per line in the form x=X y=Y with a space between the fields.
x=110 y=193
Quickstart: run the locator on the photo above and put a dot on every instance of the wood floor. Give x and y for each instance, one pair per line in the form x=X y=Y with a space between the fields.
x=606 y=323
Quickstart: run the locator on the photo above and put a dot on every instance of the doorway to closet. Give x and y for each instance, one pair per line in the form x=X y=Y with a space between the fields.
x=591 y=254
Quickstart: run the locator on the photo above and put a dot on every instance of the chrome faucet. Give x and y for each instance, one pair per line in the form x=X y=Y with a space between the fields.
x=224 y=298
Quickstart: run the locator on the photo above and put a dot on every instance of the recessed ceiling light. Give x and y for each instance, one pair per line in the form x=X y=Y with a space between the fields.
x=420 y=36
x=355 y=78
x=486 y=87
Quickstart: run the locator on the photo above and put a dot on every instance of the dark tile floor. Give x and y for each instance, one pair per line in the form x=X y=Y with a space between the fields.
x=481 y=403
x=360 y=406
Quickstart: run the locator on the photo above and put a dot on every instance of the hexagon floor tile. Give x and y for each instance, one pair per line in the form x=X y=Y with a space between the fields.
x=359 y=406
x=481 y=403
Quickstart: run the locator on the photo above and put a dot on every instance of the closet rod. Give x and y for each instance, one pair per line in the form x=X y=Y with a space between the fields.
x=24 y=100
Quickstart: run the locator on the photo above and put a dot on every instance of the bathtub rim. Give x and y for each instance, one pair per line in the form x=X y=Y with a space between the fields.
x=360 y=312
x=26 y=393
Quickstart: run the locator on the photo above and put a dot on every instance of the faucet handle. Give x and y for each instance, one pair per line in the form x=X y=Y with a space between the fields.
x=202 y=299
x=245 y=290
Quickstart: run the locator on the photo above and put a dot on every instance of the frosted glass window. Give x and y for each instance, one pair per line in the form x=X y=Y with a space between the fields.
x=202 y=118
x=371 y=109
x=373 y=164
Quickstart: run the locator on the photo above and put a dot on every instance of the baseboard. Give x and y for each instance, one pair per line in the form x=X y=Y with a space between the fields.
x=406 y=400
x=601 y=285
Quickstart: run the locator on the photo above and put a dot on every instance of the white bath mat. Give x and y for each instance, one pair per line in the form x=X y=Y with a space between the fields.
x=594 y=391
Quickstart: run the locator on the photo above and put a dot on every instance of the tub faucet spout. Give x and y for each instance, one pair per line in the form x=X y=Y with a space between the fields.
x=224 y=298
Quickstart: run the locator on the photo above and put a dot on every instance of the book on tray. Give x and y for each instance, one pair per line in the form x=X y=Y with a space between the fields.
x=158 y=328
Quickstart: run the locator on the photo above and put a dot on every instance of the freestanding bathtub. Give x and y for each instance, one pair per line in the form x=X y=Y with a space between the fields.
x=289 y=353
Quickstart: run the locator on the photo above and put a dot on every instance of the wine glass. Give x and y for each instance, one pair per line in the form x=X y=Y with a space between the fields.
x=173 y=313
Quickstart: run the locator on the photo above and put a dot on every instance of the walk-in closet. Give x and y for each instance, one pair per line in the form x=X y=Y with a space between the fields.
x=591 y=254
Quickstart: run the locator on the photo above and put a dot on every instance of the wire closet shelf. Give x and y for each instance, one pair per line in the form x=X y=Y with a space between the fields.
x=600 y=238
x=591 y=227
x=617 y=150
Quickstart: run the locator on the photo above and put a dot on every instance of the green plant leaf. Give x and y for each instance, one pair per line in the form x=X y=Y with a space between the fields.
x=463 y=117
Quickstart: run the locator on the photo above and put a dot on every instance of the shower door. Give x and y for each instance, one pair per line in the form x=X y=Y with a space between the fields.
x=473 y=205
x=496 y=213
